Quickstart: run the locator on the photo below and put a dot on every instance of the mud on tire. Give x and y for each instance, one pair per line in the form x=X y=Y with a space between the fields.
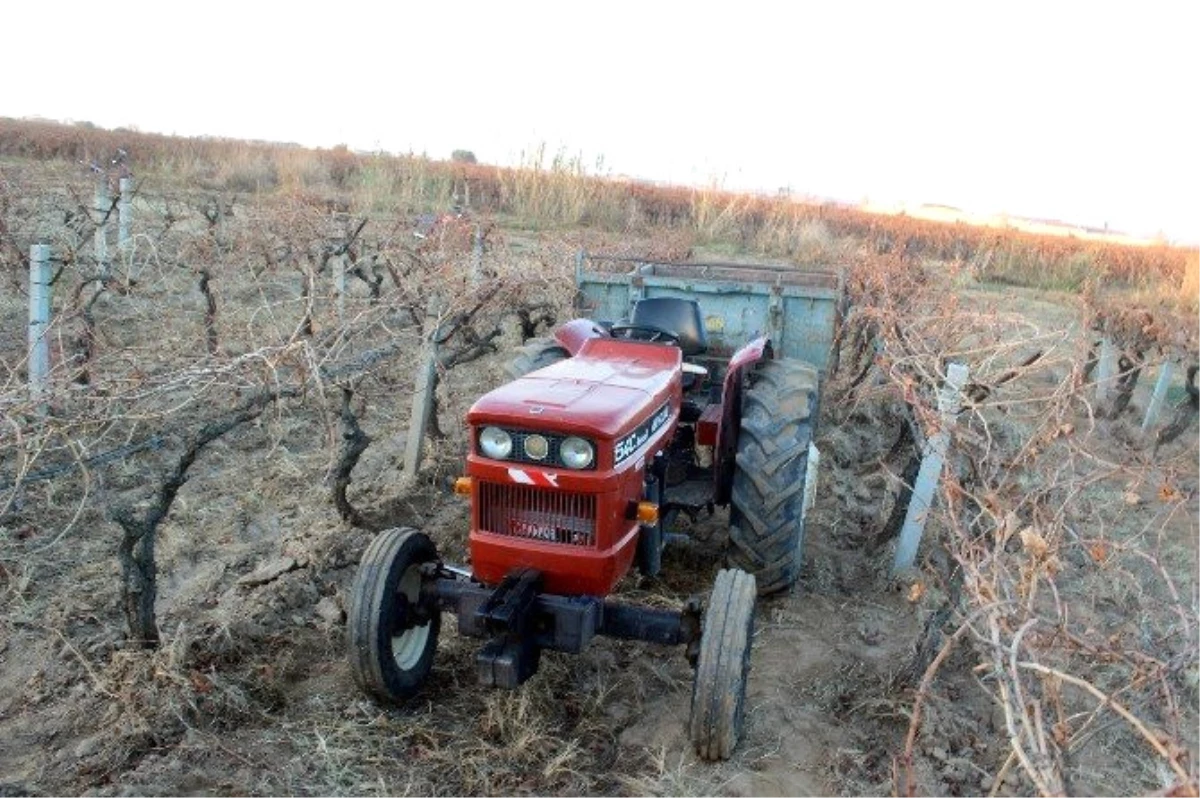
x=390 y=655
x=766 y=527
x=719 y=689
x=537 y=353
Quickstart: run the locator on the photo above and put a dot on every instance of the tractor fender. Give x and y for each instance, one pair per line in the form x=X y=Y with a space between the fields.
x=731 y=415
x=572 y=335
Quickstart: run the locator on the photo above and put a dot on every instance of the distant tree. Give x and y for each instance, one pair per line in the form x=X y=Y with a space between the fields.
x=463 y=156
x=343 y=165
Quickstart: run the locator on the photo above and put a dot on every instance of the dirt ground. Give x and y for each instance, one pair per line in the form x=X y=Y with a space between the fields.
x=250 y=692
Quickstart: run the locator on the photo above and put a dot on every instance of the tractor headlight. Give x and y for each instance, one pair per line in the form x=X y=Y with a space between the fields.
x=576 y=452
x=495 y=443
x=536 y=447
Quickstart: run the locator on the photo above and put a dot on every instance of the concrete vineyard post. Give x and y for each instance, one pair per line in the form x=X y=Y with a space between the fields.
x=1106 y=369
x=949 y=402
x=124 y=220
x=39 y=320
x=339 y=271
x=100 y=237
x=423 y=388
x=339 y=287
x=477 y=256
x=1159 y=397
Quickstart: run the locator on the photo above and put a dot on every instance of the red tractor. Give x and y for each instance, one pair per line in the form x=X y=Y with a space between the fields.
x=578 y=467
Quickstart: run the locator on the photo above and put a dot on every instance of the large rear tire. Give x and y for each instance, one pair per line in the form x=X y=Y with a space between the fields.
x=537 y=353
x=766 y=514
x=719 y=689
x=390 y=649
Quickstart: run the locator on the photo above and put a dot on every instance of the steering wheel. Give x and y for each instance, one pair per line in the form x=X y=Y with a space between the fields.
x=643 y=332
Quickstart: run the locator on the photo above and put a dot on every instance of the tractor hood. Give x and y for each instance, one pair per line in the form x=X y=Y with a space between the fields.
x=609 y=387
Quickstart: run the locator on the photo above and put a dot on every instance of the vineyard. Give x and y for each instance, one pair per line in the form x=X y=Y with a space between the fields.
x=561 y=194
x=226 y=422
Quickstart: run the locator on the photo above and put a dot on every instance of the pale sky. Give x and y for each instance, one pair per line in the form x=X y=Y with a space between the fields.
x=1082 y=112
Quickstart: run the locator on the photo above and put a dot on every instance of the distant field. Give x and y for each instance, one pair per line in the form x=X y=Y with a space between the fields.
x=563 y=194
x=942 y=213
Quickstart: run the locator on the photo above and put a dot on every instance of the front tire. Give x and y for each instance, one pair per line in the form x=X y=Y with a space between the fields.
x=390 y=649
x=766 y=515
x=719 y=689
x=536 y=354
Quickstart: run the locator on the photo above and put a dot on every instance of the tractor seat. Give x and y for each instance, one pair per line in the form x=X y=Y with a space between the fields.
x=680 y=317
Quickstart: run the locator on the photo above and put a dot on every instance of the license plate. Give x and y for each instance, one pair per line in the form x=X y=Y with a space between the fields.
x=530 y=529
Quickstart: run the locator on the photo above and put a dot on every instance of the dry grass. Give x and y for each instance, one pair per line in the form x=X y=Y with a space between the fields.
x=1188 y=297
x=557 y=191
x=1068 y=548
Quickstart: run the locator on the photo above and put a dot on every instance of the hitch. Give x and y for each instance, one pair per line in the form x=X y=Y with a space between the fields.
x=518 y=621
x=507 y=610
x=512 y=655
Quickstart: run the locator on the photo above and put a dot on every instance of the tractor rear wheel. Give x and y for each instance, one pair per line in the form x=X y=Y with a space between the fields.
x=537 y=353
x=766 y=514
x=391 y=632
x=719 y=689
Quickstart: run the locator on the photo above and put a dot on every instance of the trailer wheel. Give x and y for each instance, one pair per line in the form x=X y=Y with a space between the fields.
x=536 y=354
x=391 y=634
x=766 y=522
x=719 y=689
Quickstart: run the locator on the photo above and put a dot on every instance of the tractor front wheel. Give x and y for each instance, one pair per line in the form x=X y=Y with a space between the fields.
x=766 y=516
x=536 y=354
x=391 y=631
x=719 y=690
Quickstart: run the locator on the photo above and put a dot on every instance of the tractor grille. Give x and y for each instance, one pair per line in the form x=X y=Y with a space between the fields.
x=521 y=511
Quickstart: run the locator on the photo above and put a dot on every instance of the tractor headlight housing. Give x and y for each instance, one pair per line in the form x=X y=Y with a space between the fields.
x=576 y=453
x=550 y=449
x=495 y=443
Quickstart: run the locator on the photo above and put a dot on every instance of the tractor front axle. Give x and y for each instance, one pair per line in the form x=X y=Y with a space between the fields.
x=519 y=621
